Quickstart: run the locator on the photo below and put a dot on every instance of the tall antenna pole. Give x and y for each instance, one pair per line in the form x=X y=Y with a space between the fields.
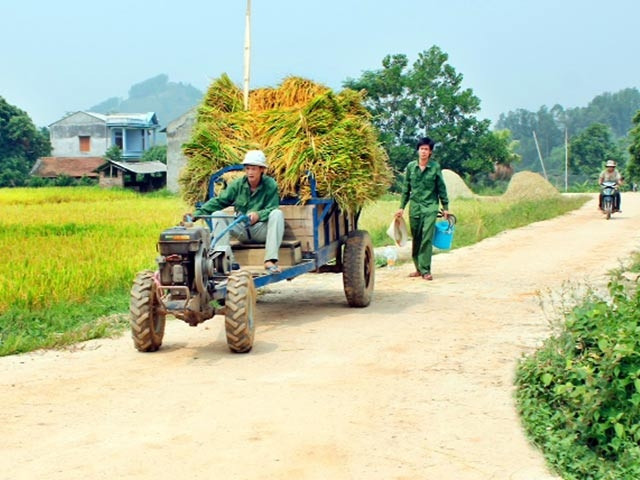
x=566 y=159
x=247 y=54
x=544 y=170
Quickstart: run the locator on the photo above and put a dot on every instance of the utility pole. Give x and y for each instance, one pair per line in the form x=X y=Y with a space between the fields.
x=566 y=159
x=540 y=155
x=247 y=54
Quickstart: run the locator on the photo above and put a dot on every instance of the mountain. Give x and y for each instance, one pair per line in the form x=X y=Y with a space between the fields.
x=167 y=99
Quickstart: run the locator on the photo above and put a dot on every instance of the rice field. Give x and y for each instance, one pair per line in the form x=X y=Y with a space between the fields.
x=67 y=244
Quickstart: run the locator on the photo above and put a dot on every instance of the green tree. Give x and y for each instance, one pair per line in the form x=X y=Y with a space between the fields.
x=589 y=150
x=427 y=99
x=21 y=144
x=113 y=154
x=545 y=124
x=615 y=110
x=633 y=167
x=156 y=153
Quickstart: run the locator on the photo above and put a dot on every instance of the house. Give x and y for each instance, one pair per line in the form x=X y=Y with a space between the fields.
x=178 y=132
x=90 y=134
x=79 y=142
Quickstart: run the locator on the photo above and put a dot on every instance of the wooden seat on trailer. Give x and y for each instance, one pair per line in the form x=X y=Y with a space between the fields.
x=250 y=254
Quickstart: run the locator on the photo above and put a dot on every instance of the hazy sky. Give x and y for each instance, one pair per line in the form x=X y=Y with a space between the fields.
x=67 y=55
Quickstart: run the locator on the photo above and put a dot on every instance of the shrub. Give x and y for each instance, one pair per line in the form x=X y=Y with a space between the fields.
x=579 y=395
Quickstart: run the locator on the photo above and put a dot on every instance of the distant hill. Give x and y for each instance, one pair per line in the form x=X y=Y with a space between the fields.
x=167 y=99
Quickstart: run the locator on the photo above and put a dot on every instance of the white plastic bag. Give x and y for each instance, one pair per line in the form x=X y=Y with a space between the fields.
x=398 y=231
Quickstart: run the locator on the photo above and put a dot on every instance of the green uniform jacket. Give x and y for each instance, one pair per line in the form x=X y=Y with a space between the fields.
x=263 y=201
x=424 y=189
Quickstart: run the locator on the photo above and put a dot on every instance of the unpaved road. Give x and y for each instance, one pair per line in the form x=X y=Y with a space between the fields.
x=417 y=386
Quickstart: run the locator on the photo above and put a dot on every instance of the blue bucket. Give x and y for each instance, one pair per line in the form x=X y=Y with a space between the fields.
x=443 y=235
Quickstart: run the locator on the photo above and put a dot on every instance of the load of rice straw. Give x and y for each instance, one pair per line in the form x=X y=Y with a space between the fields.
x=303 y=128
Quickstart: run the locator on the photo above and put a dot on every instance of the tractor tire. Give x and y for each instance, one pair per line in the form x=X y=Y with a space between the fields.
x=147 y=325
x=359 y=269
x=240 y=305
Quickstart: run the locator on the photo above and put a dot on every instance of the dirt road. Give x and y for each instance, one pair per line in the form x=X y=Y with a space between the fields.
x=417 y=386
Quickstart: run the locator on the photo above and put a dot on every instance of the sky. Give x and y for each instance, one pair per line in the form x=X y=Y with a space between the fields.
x=68 y=55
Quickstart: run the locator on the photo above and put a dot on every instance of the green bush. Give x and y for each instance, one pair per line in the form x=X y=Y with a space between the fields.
x=579 y=395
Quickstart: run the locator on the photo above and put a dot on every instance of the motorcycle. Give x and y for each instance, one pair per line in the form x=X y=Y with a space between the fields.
x=609 y=191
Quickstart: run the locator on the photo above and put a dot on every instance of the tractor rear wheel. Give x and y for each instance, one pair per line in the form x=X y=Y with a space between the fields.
x=240 y=305
x=147 y=324
x=358 y=276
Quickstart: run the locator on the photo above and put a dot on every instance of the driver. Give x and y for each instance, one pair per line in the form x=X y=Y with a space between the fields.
x=611 y=174
x=256 y=195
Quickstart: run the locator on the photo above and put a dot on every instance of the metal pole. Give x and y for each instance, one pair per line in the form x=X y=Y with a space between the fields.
x=540 y=155
x=247 y=54
x=566 y=159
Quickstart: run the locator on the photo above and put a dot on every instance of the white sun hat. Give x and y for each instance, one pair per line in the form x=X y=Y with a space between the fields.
x=255 y=157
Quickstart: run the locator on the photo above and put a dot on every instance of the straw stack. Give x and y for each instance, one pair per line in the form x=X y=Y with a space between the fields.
x=302 y=127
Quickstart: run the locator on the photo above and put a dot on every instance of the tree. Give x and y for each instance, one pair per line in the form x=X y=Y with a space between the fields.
x=615 y=110
x=156 y=153
x=113 y=154
x=633 y=167
x=523 y=123
x=591 y=149
x=21 y=144
x=428 y=99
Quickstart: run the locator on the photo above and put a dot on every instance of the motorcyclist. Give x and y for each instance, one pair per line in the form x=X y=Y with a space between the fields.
x=611 y=174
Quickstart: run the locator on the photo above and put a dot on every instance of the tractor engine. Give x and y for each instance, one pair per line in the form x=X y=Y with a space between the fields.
x=186 y=270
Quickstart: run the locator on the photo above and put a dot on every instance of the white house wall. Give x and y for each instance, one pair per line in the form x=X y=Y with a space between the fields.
x=178 y=133
x=65 y=135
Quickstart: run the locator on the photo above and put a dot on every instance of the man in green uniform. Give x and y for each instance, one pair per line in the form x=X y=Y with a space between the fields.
x=255 y=195
x=424 y=186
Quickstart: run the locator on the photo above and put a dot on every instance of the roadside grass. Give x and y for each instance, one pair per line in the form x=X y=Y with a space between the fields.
x=476 y=218
x=579 y=394
x=73 y=253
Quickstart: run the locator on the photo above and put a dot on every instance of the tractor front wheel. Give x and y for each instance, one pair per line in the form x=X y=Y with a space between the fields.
x=240 y=305
x=359 y=269
x=147 y=324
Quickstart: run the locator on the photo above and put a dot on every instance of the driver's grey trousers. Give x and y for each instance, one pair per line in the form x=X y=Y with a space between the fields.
x=270 y=232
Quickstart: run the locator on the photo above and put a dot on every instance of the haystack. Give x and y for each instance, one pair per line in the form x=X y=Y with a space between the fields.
x=529 y=185
x=456 y=188
x=303 y=128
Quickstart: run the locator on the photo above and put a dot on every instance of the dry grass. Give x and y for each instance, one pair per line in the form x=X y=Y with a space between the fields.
x=529 y=185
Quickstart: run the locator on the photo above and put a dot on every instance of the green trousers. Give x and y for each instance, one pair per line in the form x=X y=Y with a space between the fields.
x=422 y=230
x=270 y=232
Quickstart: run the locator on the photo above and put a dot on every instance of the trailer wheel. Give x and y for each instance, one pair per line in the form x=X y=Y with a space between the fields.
x=358 y=276
x=240 y=305
x=147 y=325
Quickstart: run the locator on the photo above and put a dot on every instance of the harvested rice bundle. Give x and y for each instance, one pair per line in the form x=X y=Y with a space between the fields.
x=529 y=185
x=303 y=128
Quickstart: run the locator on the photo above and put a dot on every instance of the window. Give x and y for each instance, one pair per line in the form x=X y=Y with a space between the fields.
x=117 y=138
x=85 y=143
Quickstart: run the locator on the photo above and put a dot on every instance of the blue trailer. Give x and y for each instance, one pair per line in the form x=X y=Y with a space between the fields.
x=198 y=278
